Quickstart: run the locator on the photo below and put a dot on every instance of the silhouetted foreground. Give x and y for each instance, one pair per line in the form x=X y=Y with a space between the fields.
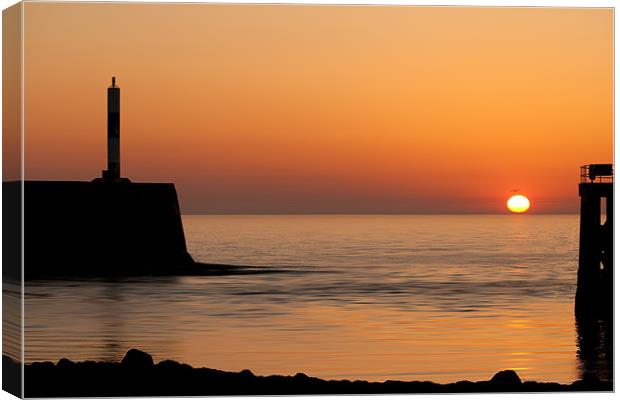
x=138 y=375
x=100 y=228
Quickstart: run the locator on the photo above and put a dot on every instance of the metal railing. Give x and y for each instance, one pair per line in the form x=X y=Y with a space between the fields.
x=597 y=173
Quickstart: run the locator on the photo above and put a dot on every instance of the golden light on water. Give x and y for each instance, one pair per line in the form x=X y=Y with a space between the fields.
x=518 y=203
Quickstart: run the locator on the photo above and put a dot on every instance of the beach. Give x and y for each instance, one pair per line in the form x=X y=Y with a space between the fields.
x=138 y=375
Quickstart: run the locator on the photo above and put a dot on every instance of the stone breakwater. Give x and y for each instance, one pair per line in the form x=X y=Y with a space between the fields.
x=137 y=374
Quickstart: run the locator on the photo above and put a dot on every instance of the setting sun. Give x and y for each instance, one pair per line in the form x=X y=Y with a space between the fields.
x=518 y=203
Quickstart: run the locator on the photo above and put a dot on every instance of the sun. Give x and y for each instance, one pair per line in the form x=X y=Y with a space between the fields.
x=518 y=203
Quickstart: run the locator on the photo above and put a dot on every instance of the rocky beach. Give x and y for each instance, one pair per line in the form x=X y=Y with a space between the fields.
x=138 y=375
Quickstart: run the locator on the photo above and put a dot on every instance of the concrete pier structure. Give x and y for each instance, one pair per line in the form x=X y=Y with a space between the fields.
x=107 y=227
x=595 y=275
x=74 y=229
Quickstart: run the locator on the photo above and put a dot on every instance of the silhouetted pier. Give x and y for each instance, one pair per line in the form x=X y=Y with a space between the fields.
x=595 y=276
x=107 y=227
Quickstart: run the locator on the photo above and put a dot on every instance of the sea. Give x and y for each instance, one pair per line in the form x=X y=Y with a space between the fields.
x=375 y=297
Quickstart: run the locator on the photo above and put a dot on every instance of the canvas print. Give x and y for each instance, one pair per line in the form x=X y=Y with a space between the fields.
x=277 y=199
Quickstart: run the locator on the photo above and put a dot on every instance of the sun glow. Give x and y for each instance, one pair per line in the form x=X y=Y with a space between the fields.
x=518 y=203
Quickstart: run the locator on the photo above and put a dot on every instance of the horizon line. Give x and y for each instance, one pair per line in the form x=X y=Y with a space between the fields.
x=366 y=214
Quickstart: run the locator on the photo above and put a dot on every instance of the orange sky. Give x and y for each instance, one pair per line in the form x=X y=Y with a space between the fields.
x=324 y=109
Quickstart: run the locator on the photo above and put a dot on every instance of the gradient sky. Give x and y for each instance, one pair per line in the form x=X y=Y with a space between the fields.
x=324 y=109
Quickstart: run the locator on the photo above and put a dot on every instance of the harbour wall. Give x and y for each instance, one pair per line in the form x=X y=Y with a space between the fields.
x=101 y=228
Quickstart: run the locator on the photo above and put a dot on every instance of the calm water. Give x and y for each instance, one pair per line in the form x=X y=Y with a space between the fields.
x=439 y=298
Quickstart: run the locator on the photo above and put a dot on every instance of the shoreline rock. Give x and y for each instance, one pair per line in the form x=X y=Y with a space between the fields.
x=136 y=374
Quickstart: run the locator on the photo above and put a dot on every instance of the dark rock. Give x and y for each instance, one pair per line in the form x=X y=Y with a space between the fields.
x=246 y=373
x=169 y=364
x=137 y=376
x=137 y=359
x=65 y=363
x=506 y=377
x=590 y=382
x=43 y=364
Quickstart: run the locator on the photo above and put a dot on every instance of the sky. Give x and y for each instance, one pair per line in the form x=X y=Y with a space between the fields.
x=324 y=109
